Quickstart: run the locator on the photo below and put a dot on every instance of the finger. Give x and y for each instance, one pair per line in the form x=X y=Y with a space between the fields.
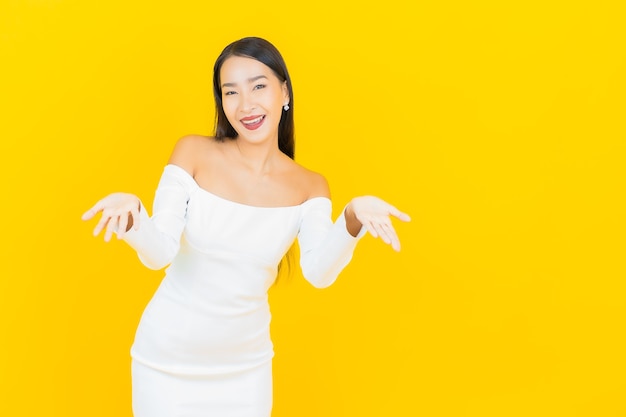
x=395 y=241
x=367 y=223
x=399 y=214
x=403 y=216
x=112 y=227
x=382 y=233
x=391 y=234
x=395 y=244
x=88 y=214
x=123 y=224
x=91 y=212
x=377 y=225
x=370 y=228
x=104 y=220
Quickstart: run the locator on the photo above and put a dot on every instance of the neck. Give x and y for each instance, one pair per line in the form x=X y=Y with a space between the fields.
x=259 y=157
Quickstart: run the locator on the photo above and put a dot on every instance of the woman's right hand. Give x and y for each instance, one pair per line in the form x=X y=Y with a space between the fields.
x=120 y=212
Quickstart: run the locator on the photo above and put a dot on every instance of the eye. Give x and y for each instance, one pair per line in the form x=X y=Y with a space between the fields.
x=259 y=86
x=229 y=93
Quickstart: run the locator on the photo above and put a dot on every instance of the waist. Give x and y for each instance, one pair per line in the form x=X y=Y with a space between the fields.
x=178 y=337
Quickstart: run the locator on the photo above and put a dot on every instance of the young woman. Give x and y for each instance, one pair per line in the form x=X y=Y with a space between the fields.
x=226 y=210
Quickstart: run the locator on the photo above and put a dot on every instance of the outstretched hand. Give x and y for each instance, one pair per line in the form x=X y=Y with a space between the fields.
x=120 y=211
x=375 y=215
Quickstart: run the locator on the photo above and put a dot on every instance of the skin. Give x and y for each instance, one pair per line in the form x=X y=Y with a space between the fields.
x=250 y=169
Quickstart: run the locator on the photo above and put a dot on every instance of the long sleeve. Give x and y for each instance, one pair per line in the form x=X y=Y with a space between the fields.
x=325 y=247
x=158 y=238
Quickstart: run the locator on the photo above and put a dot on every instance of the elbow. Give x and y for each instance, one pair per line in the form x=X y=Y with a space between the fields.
x=153 y=264
x=321 y=274
x=156 y=263
x=319 y=279
x=320 y=283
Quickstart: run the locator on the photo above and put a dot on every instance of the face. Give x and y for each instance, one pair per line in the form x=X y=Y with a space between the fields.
x=252 y=98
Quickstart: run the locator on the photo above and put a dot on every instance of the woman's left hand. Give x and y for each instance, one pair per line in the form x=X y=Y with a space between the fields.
x=375 y=215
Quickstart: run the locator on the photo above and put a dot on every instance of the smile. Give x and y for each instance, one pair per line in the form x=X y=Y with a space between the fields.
x=253 y=123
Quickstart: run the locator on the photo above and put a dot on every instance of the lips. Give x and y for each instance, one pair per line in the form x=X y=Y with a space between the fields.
x=252 y=122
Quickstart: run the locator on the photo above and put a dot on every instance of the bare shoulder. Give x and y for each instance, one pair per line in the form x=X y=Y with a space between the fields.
x=312 y=183
x=188 y=149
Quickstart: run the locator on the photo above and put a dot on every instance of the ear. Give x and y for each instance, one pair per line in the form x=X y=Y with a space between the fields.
x=286 y=97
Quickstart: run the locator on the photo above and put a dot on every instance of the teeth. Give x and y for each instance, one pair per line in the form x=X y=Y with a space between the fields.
x=253 y=121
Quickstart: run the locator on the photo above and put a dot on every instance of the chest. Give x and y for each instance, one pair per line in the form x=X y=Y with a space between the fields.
x=215 y=224
x=279 y=188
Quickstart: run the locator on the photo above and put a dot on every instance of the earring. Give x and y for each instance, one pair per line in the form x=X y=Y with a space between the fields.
x=286 y=107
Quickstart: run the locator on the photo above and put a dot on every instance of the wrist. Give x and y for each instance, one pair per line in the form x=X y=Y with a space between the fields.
x=131 y=219
x=353 y=225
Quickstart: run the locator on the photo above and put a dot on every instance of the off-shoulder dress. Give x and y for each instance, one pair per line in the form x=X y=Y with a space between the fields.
x=203 y=347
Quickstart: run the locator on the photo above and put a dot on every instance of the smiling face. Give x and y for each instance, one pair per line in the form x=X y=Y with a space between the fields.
x=252 y=98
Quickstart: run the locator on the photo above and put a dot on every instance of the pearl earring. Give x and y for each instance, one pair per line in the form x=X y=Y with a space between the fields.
x=286 y=107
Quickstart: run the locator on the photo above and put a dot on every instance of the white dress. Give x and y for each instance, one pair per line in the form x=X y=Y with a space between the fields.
x=203 y=344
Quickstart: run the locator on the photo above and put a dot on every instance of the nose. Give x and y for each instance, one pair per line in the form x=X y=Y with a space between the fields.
x=246 y=103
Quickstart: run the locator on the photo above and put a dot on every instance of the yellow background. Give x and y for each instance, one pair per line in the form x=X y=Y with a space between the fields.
x=498 y=125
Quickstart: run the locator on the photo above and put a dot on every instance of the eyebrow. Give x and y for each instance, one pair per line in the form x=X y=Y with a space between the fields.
x=250 y=80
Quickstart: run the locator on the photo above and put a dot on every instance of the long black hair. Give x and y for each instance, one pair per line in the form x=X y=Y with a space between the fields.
x=266 y=53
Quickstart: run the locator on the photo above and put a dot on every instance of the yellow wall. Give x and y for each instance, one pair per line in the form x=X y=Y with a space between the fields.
x=498 y=125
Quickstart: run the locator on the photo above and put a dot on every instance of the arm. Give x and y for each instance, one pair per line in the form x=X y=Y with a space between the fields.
x=326 y=248
x=156 y=239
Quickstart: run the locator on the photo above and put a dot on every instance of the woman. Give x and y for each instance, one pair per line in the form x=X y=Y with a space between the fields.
x=226 y=211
